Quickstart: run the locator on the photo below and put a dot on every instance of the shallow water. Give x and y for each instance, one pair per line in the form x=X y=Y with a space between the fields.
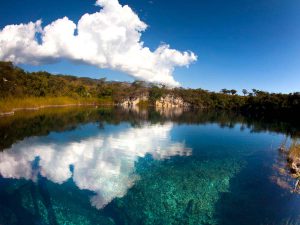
x=114 y=166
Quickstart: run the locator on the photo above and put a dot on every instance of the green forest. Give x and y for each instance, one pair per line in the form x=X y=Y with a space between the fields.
x=17 y=86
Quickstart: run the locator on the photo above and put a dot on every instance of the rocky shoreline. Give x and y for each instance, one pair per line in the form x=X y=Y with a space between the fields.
x=165 y=102
x=287 y=167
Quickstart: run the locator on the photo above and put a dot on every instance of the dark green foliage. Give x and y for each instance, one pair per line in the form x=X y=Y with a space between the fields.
x=233 y=92
x=156 y=93
x=199 y=98
x=15 y=82
x=245 y=92
x=271 y=103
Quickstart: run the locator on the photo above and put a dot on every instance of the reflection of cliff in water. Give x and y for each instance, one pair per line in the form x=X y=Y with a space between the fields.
x=39 y=123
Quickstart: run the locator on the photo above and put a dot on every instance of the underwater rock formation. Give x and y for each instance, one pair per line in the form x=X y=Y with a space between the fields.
x=47 y=203
x=176 y=192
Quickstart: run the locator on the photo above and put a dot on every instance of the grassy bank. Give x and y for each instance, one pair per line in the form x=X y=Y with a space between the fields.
x=8 y=105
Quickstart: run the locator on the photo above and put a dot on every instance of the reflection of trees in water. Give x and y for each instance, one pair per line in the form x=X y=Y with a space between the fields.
x=39 y=123
x=44 y=121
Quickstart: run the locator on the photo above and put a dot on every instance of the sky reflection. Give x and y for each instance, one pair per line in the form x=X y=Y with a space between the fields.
x=102 y=162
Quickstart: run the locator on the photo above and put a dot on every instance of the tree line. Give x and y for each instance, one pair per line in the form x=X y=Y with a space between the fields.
x=17 y=83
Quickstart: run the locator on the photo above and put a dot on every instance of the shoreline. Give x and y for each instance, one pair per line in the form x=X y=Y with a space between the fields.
x=12 y=112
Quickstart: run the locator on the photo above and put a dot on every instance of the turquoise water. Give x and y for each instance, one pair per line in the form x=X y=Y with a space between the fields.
x=110 y=166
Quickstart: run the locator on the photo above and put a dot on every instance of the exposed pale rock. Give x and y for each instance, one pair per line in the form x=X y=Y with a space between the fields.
x=171 y=101
x=134 y=101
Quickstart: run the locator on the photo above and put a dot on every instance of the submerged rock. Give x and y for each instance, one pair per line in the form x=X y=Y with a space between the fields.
x=176 y=192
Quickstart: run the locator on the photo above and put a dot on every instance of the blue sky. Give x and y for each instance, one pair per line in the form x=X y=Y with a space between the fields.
x=239 y=43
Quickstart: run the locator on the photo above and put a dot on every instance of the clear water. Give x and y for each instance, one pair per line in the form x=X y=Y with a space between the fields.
x=115 y=167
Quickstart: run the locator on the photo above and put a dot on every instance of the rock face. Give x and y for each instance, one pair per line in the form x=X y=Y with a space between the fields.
x=134 y=101
x=168 y=101
x=171 y=101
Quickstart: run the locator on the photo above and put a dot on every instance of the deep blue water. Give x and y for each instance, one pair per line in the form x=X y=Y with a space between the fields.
x=108 y=167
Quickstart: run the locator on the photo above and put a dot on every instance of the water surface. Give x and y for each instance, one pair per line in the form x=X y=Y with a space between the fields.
x=133 y=167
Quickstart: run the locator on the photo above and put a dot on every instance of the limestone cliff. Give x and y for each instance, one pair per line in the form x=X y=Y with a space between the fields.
x=171 y=101
x=134 y=101
x=168 y=101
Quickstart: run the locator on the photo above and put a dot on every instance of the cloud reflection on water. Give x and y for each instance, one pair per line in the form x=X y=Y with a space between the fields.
x=103 y=163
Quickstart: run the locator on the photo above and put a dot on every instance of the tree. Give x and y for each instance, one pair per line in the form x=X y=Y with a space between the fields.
x=254 y=91
x=225 y=91
x=155 y=93
x=82 y=91
x=233 y=92
x=245 y=92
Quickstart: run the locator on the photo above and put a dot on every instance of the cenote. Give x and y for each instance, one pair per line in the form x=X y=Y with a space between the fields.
x=113 y=166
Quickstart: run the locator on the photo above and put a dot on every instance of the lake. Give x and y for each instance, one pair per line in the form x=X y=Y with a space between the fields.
x=112 y=166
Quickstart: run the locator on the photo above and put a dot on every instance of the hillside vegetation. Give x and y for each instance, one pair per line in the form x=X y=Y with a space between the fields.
x=23 y=89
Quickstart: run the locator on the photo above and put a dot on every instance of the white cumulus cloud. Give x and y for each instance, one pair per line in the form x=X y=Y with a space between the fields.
x=110 y=38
